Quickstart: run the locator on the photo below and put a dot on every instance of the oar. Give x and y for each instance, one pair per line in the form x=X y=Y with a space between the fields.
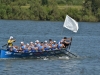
x=4 y=45
x=68 y=55
x=70 y=43
x=69 y=48
x=72 y=53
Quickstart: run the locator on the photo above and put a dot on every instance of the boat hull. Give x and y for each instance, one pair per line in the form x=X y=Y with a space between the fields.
x=8 y=54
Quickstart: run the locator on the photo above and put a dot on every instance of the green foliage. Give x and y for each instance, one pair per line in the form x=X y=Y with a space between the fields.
x=44 y=2
x=91 y=8
x=55 y=10
x=70 y=2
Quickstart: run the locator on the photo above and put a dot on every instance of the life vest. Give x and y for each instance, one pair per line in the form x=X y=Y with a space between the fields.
x=10 y=43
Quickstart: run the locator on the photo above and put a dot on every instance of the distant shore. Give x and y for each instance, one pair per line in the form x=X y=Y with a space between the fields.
x=47 y=11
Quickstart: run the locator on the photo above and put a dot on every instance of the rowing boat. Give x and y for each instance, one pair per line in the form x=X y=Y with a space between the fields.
x=8 y=54
x=69 y=23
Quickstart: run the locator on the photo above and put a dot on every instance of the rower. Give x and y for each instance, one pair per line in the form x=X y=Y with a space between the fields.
x=15 y=49
x=41 y=47
x=37 y=43
x=54 y=45
x=46 y=45
x=23 y=46
x=61 y=45
x=27 y=48
x=50 y=41
x=66 y=41
x=33 y=48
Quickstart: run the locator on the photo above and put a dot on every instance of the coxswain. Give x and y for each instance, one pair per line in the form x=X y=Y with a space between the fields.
x=10 y=43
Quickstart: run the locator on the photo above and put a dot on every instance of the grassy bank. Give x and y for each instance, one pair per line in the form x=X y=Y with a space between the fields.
x=79 y=7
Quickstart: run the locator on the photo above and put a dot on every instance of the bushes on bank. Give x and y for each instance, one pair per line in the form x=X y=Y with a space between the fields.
x=48 y=10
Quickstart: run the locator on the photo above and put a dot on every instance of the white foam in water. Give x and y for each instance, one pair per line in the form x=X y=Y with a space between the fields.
x=64 y=57
x=45 y=58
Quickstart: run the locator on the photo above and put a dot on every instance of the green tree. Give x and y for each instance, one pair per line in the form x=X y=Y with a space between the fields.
x=53 y=11
x=44 y=2
x=16 y=12
x=35 y=8
x=90 y=8
x=95 y=6
x=3 y=14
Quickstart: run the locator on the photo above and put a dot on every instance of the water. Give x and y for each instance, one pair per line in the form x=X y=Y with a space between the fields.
x=85 y=44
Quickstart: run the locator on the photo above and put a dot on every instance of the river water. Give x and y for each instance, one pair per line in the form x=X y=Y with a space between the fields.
x=85 y=44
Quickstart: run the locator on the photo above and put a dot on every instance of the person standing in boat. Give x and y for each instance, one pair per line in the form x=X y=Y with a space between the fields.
x=10 y=43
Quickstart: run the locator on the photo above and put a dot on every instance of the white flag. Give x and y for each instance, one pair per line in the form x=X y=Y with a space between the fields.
x=71 y=24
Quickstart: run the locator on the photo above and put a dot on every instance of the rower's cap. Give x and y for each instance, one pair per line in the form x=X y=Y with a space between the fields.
x=11 y=37
x=37 y=41
x=21 y=42
x=54 y=41
x=27 y=43
x=31 y=42
x=45 y=41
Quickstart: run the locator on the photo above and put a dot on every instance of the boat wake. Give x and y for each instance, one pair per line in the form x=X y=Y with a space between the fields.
x=64 y=57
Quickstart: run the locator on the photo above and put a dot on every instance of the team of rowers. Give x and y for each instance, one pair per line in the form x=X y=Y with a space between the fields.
x=38 y=46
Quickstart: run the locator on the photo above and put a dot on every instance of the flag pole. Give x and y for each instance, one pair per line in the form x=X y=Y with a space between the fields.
x=63 y=26
x=61 y=31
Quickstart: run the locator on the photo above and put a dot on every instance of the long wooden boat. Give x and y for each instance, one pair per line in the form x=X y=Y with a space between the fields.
x=56 y=52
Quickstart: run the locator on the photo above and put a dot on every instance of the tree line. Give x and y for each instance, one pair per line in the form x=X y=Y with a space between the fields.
x=50 y=9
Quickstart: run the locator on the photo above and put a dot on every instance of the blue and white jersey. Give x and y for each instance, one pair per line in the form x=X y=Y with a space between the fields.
x=40 y=47
x=53 y=45
x=38 y=44
x=60 y=42
x=45 y=45
x=14 y=49
x=59 y=45
x=32 y=47
x=48 y=46
x=23 y=47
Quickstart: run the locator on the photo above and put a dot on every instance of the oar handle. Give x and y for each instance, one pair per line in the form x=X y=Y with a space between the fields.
x=70 y=42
